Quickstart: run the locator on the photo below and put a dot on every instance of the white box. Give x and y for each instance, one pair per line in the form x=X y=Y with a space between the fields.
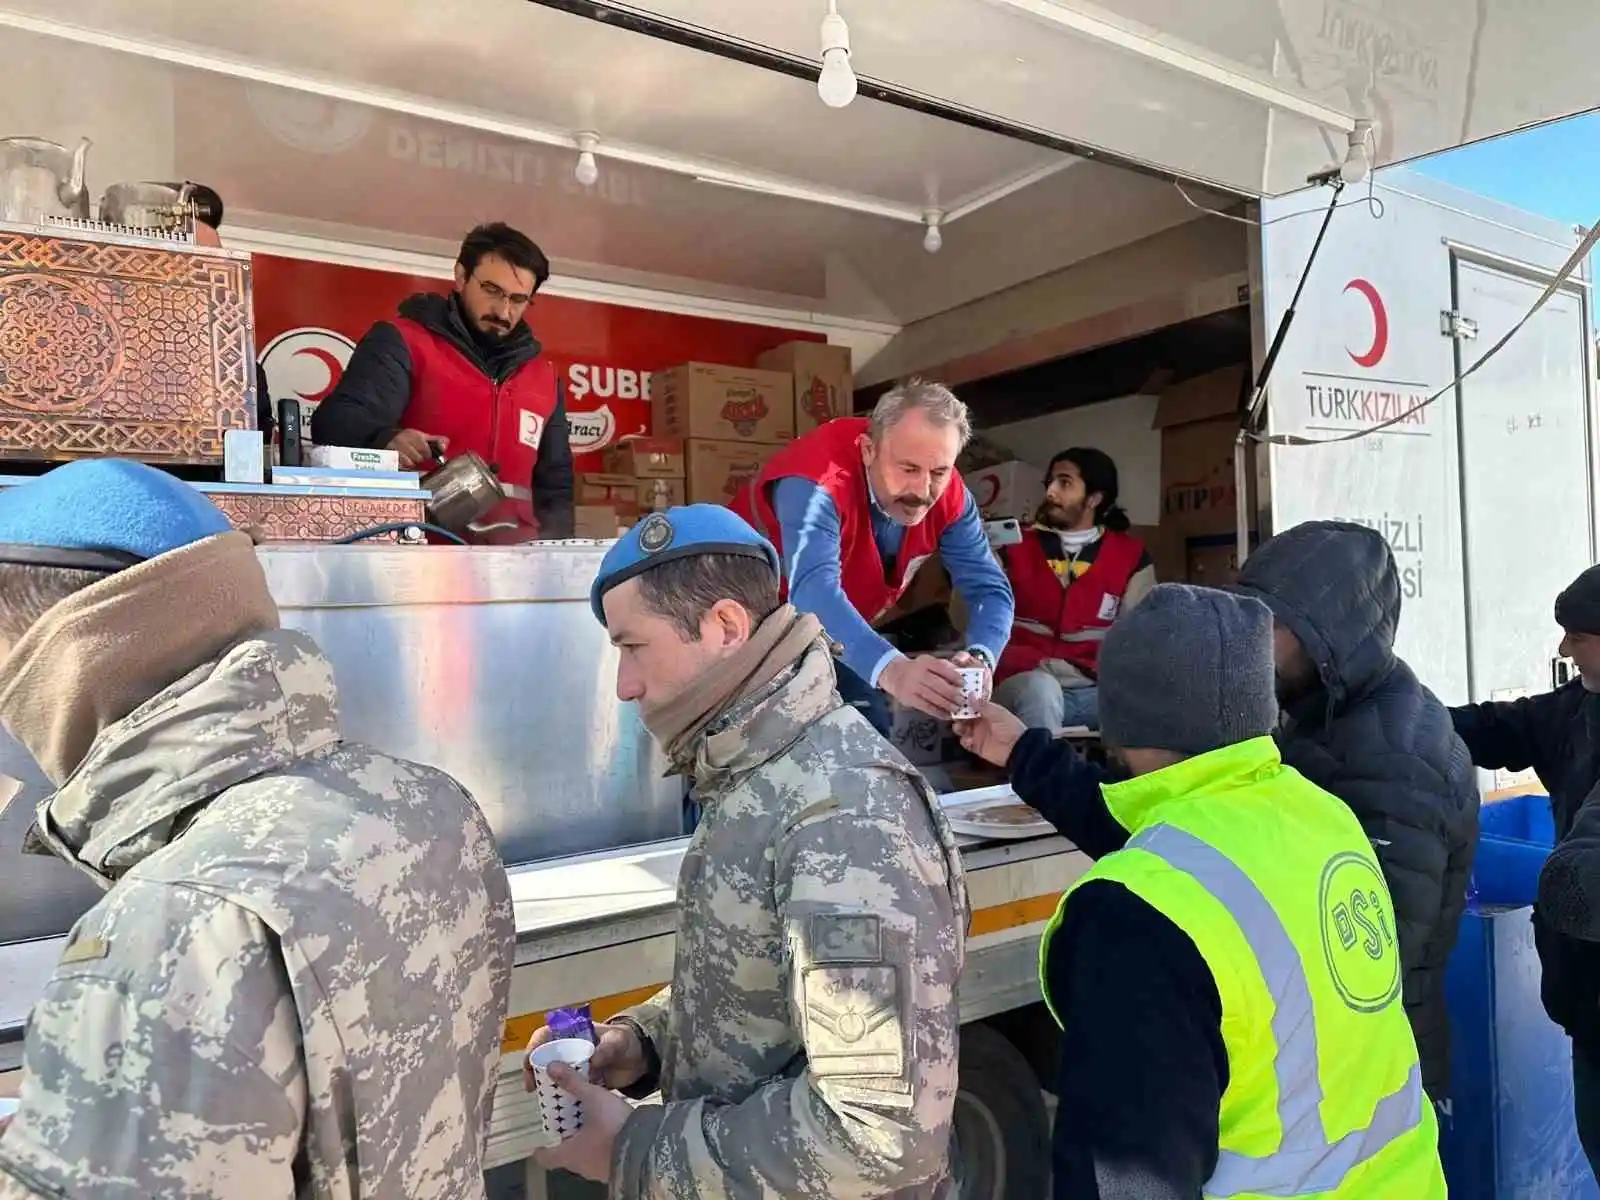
x=351 y=458
x=1011 y=489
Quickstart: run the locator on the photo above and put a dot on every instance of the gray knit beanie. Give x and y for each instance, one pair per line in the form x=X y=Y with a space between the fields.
x=1189 y=669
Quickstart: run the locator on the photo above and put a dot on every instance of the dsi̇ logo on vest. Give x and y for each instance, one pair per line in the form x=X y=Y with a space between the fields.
x=1358 y=933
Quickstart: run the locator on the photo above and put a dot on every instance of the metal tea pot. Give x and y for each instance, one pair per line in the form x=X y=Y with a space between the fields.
x=145 y=205
x=464 y=490
x=39 y=178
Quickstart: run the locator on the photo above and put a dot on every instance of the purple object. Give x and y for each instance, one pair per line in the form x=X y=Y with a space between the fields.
x=574 y=1022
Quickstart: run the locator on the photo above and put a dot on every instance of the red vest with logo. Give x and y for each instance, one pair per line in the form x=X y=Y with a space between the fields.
x=453 y=398
x=830 y=456
x=1068 y=622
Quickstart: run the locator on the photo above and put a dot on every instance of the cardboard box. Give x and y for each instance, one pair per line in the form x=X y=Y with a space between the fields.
x=653 y=495
x=717 y=469
x=732 y=404
x=1012 y=489
x=824 y=385
x=600 y=522
x=595 y=487
x=1199 y=425
x=646 y=458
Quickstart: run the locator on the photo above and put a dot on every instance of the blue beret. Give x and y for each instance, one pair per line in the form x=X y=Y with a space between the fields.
x=677 y=533
x=102 y=513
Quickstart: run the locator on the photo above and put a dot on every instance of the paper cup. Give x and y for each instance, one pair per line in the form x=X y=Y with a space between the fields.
x=971 y=693
x=561 y=1111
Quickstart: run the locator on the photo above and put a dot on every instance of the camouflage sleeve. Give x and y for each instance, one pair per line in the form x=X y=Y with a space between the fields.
x=163 y=1058
x=651 y=1017
x=874 y=957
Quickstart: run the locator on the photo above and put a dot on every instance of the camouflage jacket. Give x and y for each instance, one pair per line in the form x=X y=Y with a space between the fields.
x=296 y=983
x=807 y=1042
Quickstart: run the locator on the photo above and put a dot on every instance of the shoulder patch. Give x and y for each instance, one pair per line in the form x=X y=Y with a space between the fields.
x=85 y=950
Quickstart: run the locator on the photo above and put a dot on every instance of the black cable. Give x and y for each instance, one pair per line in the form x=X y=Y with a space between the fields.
x=361 y=535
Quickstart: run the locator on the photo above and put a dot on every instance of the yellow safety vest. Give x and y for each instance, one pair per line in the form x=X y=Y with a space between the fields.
x=1277 y=886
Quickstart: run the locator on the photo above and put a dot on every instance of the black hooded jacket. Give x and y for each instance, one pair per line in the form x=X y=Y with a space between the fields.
x=367 y=406
x=1374 y=736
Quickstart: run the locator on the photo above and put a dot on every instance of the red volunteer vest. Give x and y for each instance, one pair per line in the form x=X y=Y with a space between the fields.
x=1053 y=621
x=452 y=397
x=830 y=457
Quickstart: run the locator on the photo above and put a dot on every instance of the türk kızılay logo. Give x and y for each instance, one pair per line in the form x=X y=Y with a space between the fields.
x=306 y=363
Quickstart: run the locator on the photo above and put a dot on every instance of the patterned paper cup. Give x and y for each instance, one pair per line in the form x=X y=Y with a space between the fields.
x=561 y=1111
x=971 y=693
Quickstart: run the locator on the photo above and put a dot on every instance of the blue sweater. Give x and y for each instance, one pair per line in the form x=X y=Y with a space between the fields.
x=810 y=524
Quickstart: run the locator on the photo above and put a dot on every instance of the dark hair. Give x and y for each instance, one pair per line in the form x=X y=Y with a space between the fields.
x=27 y=593
x=683 y=589
x=1099 y=475
x=516 y=247
x=207 y=204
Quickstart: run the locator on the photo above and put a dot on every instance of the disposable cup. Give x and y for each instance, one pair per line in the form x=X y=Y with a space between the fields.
x=559 y=1110
x=971 y=693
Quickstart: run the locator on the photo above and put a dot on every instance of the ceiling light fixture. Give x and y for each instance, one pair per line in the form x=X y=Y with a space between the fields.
x=1358 y=158
x=837 y=83
x=587 y=170
x=933 y=240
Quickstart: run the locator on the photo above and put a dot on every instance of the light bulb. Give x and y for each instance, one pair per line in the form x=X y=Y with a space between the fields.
x=837 y=84
x=1354 y=168
x=587 y=170
x=933 y=240
x=1358 y=156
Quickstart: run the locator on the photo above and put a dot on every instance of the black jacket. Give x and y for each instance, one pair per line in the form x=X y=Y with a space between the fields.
x=1375 y=737
x=367 y=405
x=1558 y=736
x=1143 y=1065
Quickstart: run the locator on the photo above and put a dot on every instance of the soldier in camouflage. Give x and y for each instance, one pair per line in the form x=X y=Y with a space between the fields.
x=807 y=1044
x=296 y=982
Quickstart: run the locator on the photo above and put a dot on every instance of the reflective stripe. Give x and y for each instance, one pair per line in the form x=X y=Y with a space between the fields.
x=1305 y=1163
x=1077 y=635
x=516 y=492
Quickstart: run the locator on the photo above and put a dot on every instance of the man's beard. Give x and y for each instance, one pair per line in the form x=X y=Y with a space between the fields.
x=1059 y=516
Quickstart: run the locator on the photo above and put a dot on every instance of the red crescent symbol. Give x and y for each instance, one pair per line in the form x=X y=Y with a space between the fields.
x=992 y=484
x=327 y=359
x=1380 y=325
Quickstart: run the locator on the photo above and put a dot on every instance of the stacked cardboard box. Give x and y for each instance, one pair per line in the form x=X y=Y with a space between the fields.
x=824 y=385
x=652 y=468
x=1199 y=424
x=731 y=420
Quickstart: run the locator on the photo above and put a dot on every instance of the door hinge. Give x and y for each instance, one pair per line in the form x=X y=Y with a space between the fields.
x=1453 y=325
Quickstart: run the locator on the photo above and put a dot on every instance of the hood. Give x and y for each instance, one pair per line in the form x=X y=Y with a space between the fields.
x=760 y=727
x=1334 y=585
x=442 y=316
x=265 y=703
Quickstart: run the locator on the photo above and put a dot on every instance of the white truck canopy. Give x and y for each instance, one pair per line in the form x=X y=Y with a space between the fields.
x=720 y=173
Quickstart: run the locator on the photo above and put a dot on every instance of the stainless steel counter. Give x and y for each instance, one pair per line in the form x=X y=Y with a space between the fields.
x=485 y=662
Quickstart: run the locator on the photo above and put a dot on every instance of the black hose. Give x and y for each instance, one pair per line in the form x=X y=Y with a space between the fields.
x=362 y=535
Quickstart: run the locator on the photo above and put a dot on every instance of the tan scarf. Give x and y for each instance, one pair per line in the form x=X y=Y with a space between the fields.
x=776 y=644
x=103 y=651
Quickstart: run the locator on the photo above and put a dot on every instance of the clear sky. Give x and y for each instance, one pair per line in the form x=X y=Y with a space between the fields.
x=1552 y=170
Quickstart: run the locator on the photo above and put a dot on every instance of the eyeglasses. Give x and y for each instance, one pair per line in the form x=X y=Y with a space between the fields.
x=495 y=292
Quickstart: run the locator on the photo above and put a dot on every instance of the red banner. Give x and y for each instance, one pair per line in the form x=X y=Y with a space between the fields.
x=309 y=315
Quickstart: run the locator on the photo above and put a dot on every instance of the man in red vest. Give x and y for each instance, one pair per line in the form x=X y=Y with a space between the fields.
x=1075 y=572
x=855 y=508
x=463 y=372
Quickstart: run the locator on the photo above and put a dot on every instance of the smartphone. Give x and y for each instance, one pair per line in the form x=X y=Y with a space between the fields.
x=1004 y=533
